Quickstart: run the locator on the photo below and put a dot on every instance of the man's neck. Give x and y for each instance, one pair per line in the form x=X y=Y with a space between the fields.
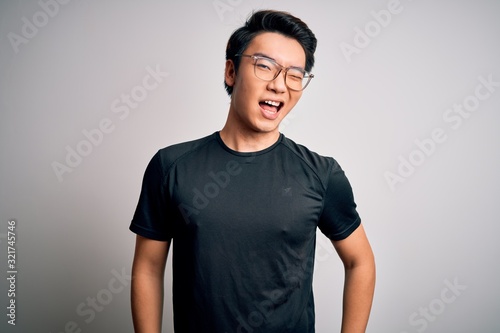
x=246 y=141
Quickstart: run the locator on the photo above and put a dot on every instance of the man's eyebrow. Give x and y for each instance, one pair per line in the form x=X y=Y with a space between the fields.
x=260 y=54
x=264 y=55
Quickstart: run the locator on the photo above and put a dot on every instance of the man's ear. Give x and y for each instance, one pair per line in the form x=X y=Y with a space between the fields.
x=230 y=73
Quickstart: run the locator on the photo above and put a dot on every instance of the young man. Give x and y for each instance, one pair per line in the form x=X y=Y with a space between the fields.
x=242 y=206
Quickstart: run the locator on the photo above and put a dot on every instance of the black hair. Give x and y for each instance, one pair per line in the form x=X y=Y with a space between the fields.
x=270 y=21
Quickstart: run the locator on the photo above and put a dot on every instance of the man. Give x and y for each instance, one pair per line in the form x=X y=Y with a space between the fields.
x=242 y=206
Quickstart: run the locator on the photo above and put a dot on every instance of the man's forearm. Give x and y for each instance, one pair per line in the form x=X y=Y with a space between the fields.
x=358 y=296
x=147 y=302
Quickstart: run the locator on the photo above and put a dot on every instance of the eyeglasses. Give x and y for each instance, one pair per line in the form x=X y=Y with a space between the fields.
x=267 y=70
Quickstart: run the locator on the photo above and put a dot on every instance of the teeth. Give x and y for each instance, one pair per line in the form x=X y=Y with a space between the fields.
x=272 y=103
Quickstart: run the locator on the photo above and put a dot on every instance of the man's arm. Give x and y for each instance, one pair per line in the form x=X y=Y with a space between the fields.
x=357 y=257
x=147 y=284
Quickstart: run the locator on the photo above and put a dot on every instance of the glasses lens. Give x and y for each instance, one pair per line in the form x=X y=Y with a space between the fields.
x=265 y=69
x=295 y=79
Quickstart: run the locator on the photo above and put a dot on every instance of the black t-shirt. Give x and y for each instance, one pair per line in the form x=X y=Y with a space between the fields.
x=243 y=227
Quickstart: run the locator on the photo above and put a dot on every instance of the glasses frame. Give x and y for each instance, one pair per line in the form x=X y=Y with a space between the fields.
x=307 y=75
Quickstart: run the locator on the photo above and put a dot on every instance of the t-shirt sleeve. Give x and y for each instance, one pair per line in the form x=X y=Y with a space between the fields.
x=339 y=217
x=151 y=217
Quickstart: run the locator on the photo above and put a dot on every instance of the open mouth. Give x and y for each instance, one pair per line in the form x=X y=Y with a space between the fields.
x=270 y=106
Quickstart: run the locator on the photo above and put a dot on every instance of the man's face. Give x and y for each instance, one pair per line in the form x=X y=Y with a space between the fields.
x=251 y=96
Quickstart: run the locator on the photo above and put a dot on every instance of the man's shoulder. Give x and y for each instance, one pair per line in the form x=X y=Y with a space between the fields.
x=170 y=154
x=326 y=168
x=307 y=155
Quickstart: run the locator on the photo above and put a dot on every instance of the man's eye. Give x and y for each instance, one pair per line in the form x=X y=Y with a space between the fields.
x=297 y=76
x=263 y=66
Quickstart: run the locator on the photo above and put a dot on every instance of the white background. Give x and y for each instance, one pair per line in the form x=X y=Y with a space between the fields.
x=434 y=227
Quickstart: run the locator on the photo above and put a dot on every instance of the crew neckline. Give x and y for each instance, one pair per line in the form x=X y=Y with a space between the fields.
x=247 y=154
